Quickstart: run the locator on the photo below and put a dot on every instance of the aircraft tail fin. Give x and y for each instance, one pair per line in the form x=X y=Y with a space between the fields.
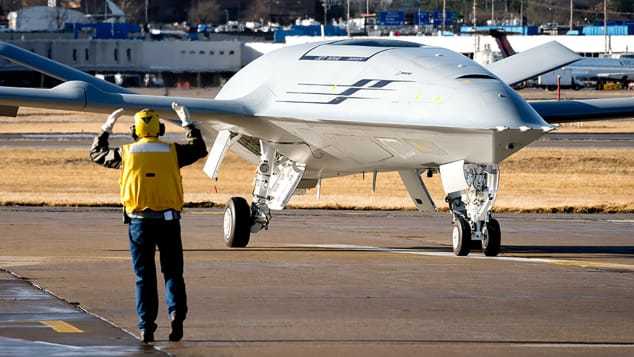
x=503 y=43
x=54 y=69
x=534 y=62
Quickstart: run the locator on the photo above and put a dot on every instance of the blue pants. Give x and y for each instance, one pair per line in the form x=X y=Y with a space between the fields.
x=145 y=235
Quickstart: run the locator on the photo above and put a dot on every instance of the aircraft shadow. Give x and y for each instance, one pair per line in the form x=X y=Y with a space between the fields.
x=534 y=250
x=313 y=249
x=545 y=250
x=308 y=249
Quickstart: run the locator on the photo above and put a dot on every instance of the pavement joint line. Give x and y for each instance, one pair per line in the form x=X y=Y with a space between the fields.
x=60 y=326
x=560 y=262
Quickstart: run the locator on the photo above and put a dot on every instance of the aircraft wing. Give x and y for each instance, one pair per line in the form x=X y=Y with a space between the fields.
x=532 y=63
x=584 y=110
x=84 y=92
x=54 y=69
x=80 y=96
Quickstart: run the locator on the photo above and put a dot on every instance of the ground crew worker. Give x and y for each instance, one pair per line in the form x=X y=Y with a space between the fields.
x=152 y=196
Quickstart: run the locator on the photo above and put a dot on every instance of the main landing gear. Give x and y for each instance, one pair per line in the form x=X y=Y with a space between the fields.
x=473 y=222
x=240 y=219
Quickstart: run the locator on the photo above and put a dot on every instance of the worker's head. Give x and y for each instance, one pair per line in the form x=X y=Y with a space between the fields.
x=147 y=124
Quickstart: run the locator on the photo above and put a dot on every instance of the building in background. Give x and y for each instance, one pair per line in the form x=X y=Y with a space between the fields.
x=210 y=11
x=44 y=18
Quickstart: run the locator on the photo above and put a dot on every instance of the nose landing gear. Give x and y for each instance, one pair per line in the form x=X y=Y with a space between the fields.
x=492 y=238
x=461 y=237
x=473 y=222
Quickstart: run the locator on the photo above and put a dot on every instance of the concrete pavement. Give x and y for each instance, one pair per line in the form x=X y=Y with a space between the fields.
x=354 y=282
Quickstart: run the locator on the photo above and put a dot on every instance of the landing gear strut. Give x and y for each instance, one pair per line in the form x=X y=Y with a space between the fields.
x=473 y=222
x=240 y=219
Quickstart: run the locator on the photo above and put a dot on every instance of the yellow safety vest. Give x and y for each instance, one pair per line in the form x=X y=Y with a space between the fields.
x=150 y=176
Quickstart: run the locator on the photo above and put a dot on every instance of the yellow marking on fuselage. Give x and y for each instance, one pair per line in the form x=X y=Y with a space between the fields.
x=61 y=326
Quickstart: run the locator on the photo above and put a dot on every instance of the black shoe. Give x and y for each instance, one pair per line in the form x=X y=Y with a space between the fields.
x=147 y=335
x=177 y=329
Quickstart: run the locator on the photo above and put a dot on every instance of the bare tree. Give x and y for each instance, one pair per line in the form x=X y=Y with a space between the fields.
x=133 y=9
x=205 y=11
x=258 y=10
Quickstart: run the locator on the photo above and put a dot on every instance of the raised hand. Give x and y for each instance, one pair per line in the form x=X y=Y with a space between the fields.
x=183 y=114
x=112 y=119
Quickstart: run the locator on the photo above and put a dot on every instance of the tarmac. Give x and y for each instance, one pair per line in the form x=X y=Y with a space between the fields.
x=34 y=322
x=83 y=140
x=321 y=283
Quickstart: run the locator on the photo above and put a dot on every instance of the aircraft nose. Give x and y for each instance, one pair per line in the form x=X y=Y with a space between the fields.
x=507 y=109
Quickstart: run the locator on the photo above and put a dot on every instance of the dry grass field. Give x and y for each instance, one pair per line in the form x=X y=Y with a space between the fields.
x=535 y=179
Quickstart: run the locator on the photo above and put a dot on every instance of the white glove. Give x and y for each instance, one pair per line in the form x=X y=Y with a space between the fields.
x=112 y=119
x=183 y=114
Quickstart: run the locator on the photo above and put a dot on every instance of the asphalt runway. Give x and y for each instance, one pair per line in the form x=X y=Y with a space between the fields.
x=352 y=282
x=602 y=140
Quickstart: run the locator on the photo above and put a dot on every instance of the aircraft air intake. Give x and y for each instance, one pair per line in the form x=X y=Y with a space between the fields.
x=476 y=76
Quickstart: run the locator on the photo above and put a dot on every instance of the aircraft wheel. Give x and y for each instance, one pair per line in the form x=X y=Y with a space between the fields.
x=492 y=240
x=461 y=237
x=237 y=223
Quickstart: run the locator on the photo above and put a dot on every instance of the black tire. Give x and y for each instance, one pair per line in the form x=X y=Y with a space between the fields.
x=461 y=237
x=492 y=240
x=237 y=223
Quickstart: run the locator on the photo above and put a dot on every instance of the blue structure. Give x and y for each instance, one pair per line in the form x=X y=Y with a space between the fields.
x=391 y=18
x=434 y=18
x=279 y=36
x=521 y=30
x=104 y=30
x=613 y=30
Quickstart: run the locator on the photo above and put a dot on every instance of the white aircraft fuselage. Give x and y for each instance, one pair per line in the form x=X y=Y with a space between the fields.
x=357 y=105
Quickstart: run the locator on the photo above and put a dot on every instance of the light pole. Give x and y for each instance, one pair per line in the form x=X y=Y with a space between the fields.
x=475 y=27
x=492 y=12
x=571 y=12
x=605 y=24
x=325 y=4
x=348 y=17
x=444 y=16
